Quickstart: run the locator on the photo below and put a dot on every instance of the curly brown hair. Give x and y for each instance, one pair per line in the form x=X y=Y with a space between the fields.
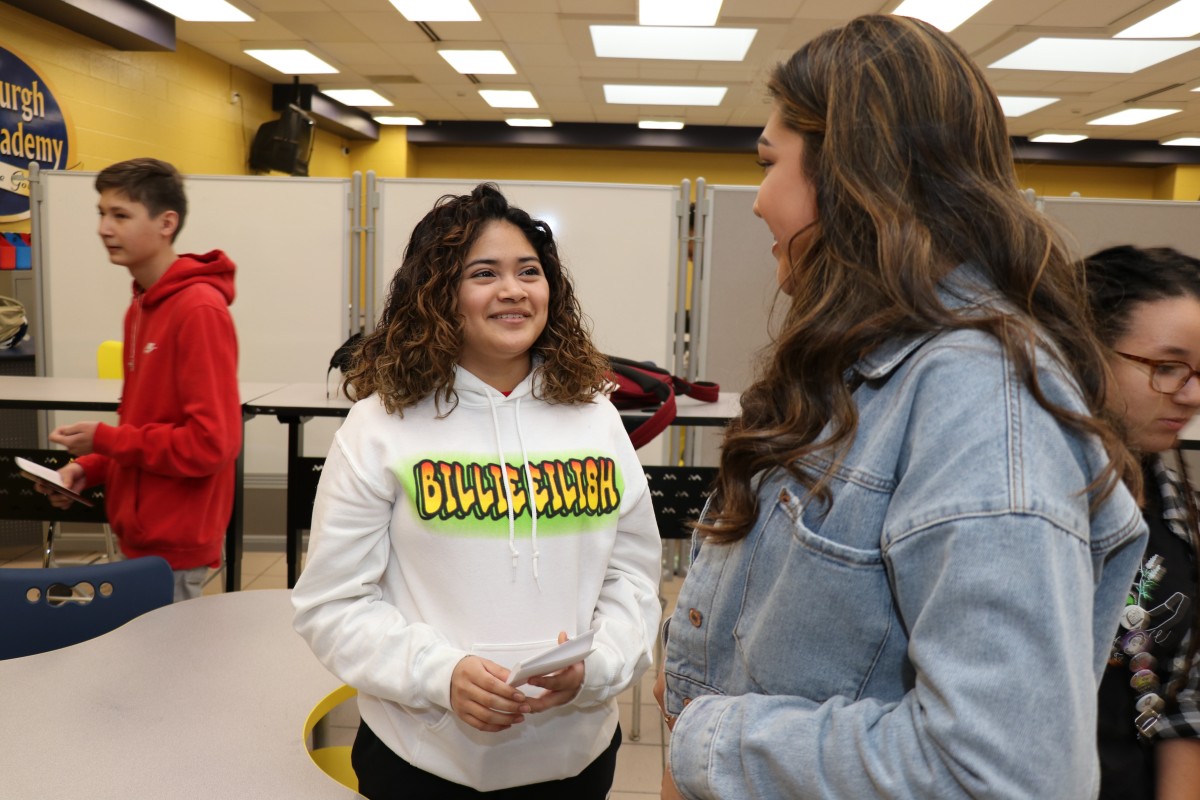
x=412 y=352
x=908 y=151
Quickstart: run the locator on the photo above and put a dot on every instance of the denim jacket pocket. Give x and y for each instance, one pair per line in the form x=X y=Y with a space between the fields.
x=793 y=632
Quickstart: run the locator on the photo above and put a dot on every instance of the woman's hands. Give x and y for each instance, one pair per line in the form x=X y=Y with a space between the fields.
x=72 y=477
x=480 y=697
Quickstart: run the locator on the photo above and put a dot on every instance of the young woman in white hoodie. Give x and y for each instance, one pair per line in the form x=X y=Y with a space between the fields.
x=481 y=503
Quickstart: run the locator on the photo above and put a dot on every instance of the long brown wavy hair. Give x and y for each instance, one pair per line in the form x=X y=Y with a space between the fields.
x=412 y=352
x=907 y=149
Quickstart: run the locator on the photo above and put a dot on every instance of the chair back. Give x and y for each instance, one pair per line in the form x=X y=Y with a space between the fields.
x=45 y=609
x=679 y=495
x=334 y=760
x=108 y=360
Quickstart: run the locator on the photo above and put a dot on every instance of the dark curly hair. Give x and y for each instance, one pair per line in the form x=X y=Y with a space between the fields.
x=412 y=352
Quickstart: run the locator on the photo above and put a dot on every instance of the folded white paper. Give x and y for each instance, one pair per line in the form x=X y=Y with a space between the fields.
x=552 y=660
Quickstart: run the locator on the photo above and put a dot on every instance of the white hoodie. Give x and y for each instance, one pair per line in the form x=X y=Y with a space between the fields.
x=415 y=562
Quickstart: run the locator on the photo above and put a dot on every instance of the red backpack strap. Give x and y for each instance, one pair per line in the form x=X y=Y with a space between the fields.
x=656 y=424
x=705 y=391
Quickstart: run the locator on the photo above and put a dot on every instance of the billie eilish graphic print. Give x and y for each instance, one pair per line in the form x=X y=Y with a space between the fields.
x=462 y=495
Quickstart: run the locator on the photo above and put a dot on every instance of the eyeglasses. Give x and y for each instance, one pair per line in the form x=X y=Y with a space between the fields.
x=1167 y=377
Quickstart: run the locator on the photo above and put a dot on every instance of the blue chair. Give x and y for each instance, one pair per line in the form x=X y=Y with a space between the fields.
x=45 y=609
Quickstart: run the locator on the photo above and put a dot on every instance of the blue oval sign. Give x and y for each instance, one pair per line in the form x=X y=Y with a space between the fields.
x=32 y=128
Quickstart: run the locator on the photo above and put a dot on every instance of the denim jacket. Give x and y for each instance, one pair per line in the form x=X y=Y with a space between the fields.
x=939 y=630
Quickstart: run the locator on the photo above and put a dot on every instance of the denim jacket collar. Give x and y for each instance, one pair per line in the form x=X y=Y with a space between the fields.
x=965 y=287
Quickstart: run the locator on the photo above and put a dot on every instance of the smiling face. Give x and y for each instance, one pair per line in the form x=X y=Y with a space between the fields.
x=503 y=297
x=1164 y=330
x=787 y=199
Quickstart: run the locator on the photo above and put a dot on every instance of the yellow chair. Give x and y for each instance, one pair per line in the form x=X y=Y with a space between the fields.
x=108 y=360
x=333 y=761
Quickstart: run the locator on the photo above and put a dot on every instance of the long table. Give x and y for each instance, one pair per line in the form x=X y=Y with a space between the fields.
x=96 y=394
x=297 y=403
x=203 y=697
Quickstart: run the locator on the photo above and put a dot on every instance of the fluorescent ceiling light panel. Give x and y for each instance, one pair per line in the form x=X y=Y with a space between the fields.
x=1020 y=106
x=292 y=62
x=678 y=12
x=203 y=10
x=664 y=95
x=437 y=10
x=660 y=125
x=1182 y=141
x=1177 y=21
x=1092 y=55
x=1134 y=116
x=943 y=14
x=679 y=44
x=508 y=98
x=406 y=120
x=479 y=62
x=526 y=122
x=1058 y=138
x=357 y=97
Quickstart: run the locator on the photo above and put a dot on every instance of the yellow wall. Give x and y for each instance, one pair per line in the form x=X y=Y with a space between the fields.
x=1055 y=180
x=567 y=164
x=175 y=106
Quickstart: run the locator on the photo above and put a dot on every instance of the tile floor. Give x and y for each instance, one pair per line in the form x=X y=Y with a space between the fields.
x=639 y=764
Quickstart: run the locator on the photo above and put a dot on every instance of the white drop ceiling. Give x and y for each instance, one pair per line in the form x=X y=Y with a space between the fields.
x=549 y=44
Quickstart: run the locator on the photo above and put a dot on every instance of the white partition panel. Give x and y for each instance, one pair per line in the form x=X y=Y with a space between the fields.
x=617 y=241
x=1091 y=224
x=288 y=237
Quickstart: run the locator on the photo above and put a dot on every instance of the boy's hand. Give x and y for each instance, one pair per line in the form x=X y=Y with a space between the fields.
x=561 y=687
x=77 y=438
x=480 y=697
x=72 y=477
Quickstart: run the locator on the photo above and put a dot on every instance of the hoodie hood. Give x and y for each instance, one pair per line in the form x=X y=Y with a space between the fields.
x=213 y=268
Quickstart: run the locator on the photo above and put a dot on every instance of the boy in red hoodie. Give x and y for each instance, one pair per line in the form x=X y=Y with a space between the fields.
x=168 y=465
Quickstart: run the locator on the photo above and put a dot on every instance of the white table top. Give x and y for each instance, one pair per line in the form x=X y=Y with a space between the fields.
x=85 y=394
x=206 y=697
x=1189 y=437
x=309 y=400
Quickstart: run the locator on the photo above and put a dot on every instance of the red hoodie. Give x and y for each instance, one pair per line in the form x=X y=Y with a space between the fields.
x=168 y=466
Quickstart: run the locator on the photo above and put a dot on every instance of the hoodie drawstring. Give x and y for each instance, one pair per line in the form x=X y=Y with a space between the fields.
x=512 y=531
x=512 y=525
x=528 y=491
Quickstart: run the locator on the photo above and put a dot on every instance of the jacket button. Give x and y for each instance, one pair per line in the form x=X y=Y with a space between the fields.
x=695 y=617
x=784 y=497
x=686 y=701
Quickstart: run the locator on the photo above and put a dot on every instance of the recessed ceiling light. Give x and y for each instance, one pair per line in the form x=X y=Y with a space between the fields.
x=1092 y=55
x=678 y=12
x=479 y=62
x=664 y=95
x=508 y=98
x=1134 y=116
x=943 y=14
x=292 y=62
x=1182 y=141
x=437 y=10
x=357 y=97
x=1176 y=21
x=680 y=44
x=1057 y=138
x=203 y=10
x=527 y=122
x=405 y=120
x=1020 y=106
x=660 y=125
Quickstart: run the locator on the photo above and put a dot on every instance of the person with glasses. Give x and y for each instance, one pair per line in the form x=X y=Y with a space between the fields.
x=1146 y=303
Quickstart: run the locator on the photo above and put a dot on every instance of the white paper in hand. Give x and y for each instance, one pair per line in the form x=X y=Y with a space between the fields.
x=552 y=660
x=36 y=472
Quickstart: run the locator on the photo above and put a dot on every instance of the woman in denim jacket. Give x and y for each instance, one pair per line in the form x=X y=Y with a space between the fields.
x=909 y=576
x=1147 y=309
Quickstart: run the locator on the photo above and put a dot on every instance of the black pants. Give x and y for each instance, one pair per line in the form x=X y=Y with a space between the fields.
x=383 y=775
